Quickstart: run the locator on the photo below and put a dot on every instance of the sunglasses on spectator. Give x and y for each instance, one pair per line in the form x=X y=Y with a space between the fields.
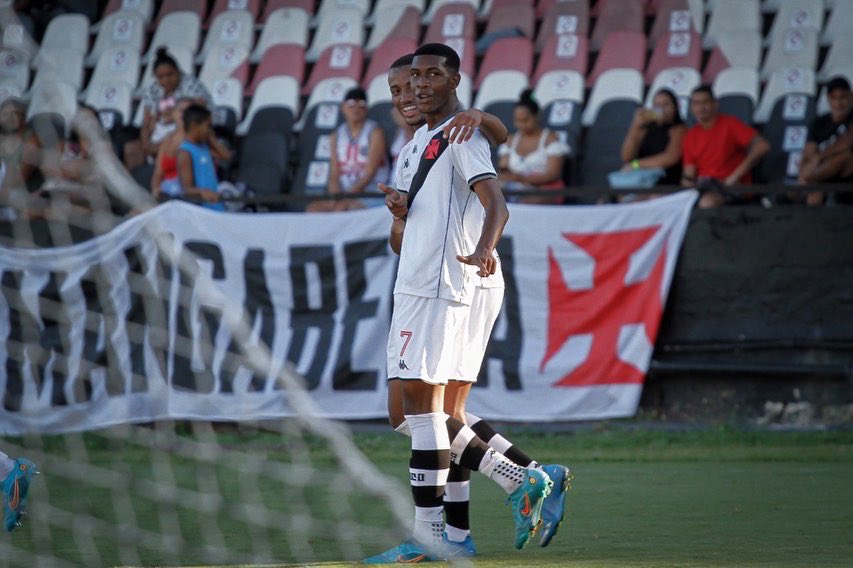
x=355 y=103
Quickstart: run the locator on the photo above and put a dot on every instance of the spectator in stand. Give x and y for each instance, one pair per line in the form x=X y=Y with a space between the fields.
x=358 y=156
x=533 y=157
x=20 y=158
x=158 y=101
x=719 y=151
x=196 y=168
x=828 y=155
x=655 y=138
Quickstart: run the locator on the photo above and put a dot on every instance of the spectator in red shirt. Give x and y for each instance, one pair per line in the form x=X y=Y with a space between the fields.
x=719 y=151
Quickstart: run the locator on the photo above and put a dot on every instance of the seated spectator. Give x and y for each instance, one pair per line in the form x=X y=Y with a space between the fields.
x=196 y=168
x=358 y=156
x=158 y=100
x=719 y=151
x=655 y=138
x=828 y=155
x=533 y=157
x=165 y=182
x=20 y=154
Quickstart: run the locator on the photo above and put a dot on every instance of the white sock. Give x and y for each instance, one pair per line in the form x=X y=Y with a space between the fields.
x=7 y=464
x=429 y=524
x=502 y=471
x=428 y=473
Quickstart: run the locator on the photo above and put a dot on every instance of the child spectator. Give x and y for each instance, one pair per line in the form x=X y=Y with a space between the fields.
x=196 y=168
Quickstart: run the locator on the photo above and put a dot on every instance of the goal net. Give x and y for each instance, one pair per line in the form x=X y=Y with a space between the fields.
x=110 y=330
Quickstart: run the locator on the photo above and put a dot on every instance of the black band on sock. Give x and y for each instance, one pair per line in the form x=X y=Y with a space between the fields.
x=430 y=459
x=456 y=515
x=473 y=453
x=485 y=431
x=458 y=473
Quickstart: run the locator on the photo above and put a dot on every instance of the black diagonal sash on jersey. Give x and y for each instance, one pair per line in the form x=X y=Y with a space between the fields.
x=434 y=148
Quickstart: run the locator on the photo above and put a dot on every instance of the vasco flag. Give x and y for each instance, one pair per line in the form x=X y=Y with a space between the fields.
x=88 y=333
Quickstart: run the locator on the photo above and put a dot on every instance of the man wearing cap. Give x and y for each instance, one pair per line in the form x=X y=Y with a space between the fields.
x=358 y=155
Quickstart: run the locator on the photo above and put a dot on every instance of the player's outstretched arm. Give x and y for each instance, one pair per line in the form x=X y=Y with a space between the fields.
x=490 y=195
x=395 y=201
x=464 y=123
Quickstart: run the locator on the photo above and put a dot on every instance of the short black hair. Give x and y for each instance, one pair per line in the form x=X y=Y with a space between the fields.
x=528 y=101
x=195 y=114
x=356 y=93
x=451 y=58
x=703 y=89
x=837 y=83
x=404 y=61
x=162 y=57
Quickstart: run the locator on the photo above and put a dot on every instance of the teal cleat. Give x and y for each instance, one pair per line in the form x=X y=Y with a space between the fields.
x=452 y=549
x=555 y=504
x=527 y=504
x=407 y=553
x=15 y=488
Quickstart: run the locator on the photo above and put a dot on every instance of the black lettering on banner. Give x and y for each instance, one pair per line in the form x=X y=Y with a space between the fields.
x=23 y=331
x=100 y=312
x=303 y=317
x=508 y=349
x=148 y=316
x=184 y=377
x=356 y=254
x=257 y=304
x=53 y=343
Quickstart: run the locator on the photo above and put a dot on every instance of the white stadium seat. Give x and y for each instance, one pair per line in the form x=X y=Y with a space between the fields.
x=285 y=25
x=796 y=47
x=67 y=31
x=729 y=15
x=501 y=86
x=234 y=28
x=176 y=30
x=615 y=84
x=273 y=91
x=121 y=29
x=781 y=83
x=54 y=64
x=344 y=25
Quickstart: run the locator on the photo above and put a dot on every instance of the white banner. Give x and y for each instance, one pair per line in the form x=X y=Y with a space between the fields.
x=109 y=332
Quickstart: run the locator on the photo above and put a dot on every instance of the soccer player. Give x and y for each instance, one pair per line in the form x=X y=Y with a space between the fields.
x=432 y=297
x=485 y=307
x=16 y=476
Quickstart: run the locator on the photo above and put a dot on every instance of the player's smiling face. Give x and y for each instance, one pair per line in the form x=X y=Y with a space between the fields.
x=432 y=81
x=403 y=97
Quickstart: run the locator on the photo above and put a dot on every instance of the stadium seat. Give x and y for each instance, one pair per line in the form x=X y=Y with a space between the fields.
x=9 y=91
x=284 y=26
x=225 y=61
x=382 y=6
x=675 y=16
x=563 y=18
x=14 y=69
x=170 y=6
x=511 y=53
x=271 y=6
x=117 y=65
x=465 y=90
x=227 y=95
x=465 y=49
x=797 y=47
x=121 y=29
x=839 y=23
x=787 y=132
x=621 y=50
x=113 y=98
x=796 y=14
x=500 y=92
x=55 y=98
x=182 y=56
x=391 y=49
x=452 y=21
x=736 y=89
x=64 y=65
x=735 y=48
x=326 y=91
x=560 y=98
x=380 y=107
x=675 y=50
x=681 y=81
x=566 y=52
x=220 y=6
x=230 y=28
x=277 y=91
x=145 y=8
x=342 y=60
x=394 y=23
x=512 y=16
x=67 y=31
x=615 y=16
x=329 y=7
x=178 y=29
x=839 y=57
x=436 y=6
x=283 y=59
x=15 y=36
x=265 y=153
x=608 y=114
x=730 y=15
x=344 y=25
x=781 y=83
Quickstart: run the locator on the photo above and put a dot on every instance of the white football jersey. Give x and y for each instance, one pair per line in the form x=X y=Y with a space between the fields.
x=441 y=202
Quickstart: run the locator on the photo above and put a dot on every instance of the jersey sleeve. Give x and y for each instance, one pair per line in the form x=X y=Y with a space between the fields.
x=473 y=159
x=743 y=133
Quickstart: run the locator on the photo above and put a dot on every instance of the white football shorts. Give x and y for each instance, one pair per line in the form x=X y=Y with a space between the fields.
x=483 y=313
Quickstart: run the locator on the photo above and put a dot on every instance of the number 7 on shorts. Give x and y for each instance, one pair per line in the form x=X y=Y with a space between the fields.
x=408 y=337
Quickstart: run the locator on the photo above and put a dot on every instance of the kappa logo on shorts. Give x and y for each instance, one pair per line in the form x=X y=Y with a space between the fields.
x=403 y=366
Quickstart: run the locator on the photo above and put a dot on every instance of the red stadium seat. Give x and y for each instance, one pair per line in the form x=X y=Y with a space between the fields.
x=621 y=50
x=675 y=49
x=286 y=59
x=671 y=16
x=386 y=54
x=273 y=5
x=616 y=15
x=512 y=53
x=511 y=16
x=544 y=6
x=251 y=6
x=564 y=18
x=450 y=22
x=339 y=60
x=567 y=52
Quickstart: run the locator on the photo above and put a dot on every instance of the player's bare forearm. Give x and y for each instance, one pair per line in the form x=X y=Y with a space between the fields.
x=494 y=129
x=396 y=238
x=490 y=195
